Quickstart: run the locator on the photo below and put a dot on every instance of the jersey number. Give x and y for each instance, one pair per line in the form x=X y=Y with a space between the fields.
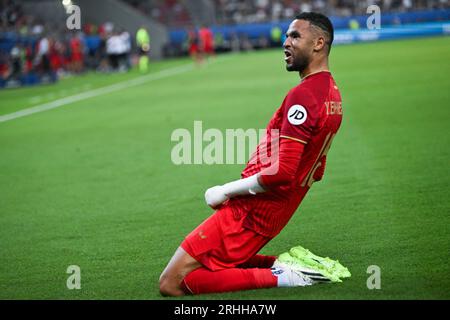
x=323 y=152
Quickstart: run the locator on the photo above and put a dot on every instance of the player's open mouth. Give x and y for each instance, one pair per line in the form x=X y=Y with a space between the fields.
x=287 y=55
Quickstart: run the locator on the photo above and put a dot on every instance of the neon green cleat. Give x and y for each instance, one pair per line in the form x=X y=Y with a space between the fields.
x=315 y=272
x=314 y=261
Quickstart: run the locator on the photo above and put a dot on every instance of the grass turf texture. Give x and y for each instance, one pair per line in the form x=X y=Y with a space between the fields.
x=92 y=183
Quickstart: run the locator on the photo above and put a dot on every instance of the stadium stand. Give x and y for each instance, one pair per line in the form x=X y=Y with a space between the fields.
x=35 y=48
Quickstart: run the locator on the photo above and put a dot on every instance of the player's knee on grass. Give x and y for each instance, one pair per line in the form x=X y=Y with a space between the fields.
x=178 y=267
x=169 y=287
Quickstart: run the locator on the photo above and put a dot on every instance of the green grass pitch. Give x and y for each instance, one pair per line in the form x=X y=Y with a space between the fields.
x=92 y=183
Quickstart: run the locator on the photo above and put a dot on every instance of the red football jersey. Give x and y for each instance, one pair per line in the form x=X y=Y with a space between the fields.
x=311 y=113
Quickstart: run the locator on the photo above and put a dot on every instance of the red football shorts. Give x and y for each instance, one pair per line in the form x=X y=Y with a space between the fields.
x=193 y=49
x=221 y=242
x=208 y=48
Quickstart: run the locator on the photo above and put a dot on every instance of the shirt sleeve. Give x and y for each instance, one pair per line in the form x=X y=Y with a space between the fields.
x=283 y=171
x=300 y=116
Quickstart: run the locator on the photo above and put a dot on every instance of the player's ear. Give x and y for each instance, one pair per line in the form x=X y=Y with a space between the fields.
x=319 y=43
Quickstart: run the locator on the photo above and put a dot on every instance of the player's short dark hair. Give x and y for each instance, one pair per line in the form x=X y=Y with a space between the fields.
x=321 y=21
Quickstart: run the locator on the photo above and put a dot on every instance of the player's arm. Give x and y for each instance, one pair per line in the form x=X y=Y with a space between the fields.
x=298 y=122
x=281 y=172
x=296 y=130
x=217 y=195
x=284 y=170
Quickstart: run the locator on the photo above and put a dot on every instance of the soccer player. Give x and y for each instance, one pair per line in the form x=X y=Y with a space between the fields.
x=206 y=38
x=143 y=43
x=220 y=255
x=193 y=47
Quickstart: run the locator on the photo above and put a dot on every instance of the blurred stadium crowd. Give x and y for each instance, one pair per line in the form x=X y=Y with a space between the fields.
x=33 y=50
x=172 y=13
x=175 y=13
x=48 y=51
x=241 y=11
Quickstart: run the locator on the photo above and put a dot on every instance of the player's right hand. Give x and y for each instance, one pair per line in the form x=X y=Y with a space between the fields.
x=215 y=196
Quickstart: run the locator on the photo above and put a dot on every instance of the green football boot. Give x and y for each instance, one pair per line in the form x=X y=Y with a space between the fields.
x=315 y=262
x=317 y=273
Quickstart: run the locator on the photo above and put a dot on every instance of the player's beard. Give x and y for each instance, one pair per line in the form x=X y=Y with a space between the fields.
x=299 y=63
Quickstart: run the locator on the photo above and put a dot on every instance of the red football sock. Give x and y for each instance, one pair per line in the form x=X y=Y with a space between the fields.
x=259 y=261
x=203 y=280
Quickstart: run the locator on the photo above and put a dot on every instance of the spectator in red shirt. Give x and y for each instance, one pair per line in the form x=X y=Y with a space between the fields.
x=76 y=48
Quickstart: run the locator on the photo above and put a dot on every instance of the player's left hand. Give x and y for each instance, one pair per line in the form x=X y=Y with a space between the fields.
x=215 y=196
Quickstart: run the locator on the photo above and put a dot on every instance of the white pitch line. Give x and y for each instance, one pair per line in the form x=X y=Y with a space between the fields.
x=96 y=92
